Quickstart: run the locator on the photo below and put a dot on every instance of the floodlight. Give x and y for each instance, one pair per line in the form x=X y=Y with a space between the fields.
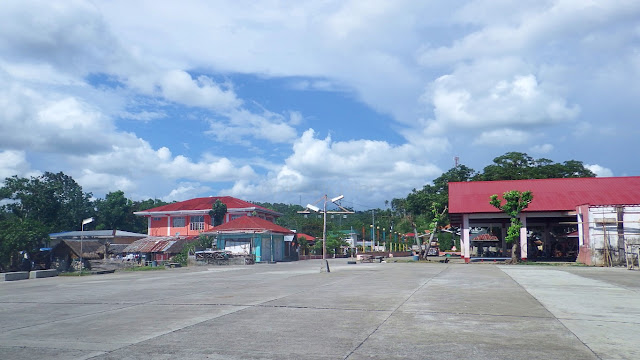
x=337 y=198
x=312 y=207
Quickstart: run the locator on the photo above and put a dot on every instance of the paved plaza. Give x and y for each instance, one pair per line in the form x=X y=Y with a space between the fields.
x=397 y=310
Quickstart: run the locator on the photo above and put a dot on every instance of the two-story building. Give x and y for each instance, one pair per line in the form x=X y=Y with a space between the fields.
x=191 y=217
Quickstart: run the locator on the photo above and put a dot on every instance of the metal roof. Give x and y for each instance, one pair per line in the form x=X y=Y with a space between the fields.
x=249 y=224
x=204 y=204
x=306 y=236
x=94 y=234
x=548 y=194
x=156 y=244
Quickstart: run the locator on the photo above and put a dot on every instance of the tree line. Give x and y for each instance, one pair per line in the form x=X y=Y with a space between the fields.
x=32 y=208
x=426 y=208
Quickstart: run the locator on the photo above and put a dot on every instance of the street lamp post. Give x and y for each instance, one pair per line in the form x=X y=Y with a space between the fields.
x=326 y=199
x=384 y=238
x=373 y=237
x=84 y=222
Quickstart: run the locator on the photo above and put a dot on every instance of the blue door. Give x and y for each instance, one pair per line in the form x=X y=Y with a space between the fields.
x=257 y=248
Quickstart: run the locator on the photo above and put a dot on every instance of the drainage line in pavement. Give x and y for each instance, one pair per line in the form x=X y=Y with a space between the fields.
x=394 y=311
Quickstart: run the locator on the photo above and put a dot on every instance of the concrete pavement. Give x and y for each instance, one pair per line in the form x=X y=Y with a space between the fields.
x=293 y=311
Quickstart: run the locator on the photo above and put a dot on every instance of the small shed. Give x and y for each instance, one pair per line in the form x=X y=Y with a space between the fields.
x=249 y=235
x=67 y=251
x=156 y=248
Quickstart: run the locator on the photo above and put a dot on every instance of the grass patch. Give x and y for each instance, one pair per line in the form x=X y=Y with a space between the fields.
x=551 y=263
x=76 y=273
x=143 y=268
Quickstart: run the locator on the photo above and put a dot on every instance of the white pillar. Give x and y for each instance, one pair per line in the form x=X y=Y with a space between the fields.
x=149 y=226
x=523 y=237
x=580 y=230
x=168 y=225
x=464 y=240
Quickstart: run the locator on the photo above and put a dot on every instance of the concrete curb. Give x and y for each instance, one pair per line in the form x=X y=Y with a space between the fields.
x=12 y=276
x=37 y=274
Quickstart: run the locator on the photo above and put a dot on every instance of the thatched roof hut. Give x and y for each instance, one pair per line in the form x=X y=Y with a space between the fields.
x=91 y=249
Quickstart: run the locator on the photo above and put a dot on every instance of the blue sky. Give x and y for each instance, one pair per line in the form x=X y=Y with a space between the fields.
x=286 y=101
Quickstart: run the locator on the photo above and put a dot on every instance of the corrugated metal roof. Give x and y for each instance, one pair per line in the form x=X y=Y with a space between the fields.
x=205 y=203
x=177 y=246
x=117 y=248
x=156 y=244
x=548 y=194
x=246 y=224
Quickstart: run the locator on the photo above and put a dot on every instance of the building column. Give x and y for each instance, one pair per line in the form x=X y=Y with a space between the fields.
x=580 y=231
x=504 y=239
x=464 y=239
x=523 y=237
x=149 y=226
x=168 y=225
x=546 y=239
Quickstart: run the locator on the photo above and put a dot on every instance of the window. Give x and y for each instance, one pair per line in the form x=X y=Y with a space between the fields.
x=177 y=221
x=233 y=217
x=156 y=219
x=196 y=222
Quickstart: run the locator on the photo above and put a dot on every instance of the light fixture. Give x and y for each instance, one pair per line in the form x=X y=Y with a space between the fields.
x=313 y=207
x=340 y=197
x=84 y=222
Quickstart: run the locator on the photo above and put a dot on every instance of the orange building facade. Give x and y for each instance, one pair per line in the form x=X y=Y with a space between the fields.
x=191 y=217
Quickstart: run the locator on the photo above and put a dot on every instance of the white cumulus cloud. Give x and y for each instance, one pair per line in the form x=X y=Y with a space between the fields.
x=599 y=170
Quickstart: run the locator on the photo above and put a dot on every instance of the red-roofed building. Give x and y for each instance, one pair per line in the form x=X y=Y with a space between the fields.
x=310 y=239
x=191 y=217
x=249 y=235
x=605 y=212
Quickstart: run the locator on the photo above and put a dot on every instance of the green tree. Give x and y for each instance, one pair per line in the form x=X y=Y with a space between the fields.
x=53 y=199
x=515 y=202
x=510 y=166
x=519 y=166
x=139 y=223
x=420 y=201
x=205 y=241
x=312 y=227
x=20 y=235
x=114 y=211
x=334 y=244
x=217 y=212
x=304 y=245
x=183 y=256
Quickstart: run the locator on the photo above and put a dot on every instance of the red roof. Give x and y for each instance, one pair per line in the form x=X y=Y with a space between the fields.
x=308 y=237
x=246 y=224
x=548 y=194
x=205 y=203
